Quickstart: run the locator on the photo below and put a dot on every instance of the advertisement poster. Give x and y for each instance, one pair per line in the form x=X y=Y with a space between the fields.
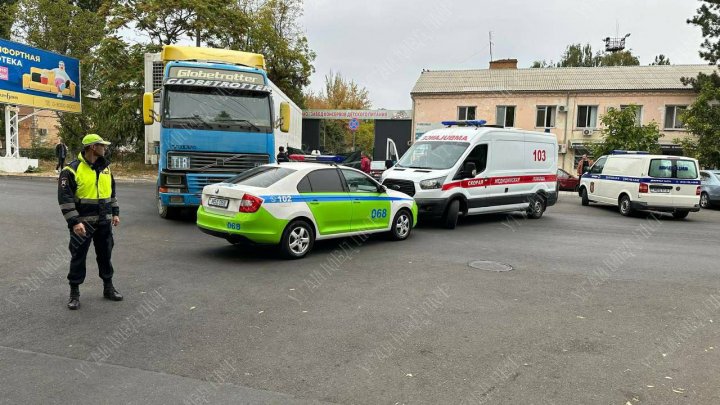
x=40 y=79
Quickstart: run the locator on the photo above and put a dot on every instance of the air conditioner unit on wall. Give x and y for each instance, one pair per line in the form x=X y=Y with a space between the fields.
x=587 y=132
x=562 y=108
x=562 y=148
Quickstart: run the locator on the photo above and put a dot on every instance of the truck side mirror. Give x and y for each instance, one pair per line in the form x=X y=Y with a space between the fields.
x=147 y=109
x=469 y=170
x=285 y=117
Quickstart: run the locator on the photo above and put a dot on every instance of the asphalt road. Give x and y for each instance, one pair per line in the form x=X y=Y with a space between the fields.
x=597 y=309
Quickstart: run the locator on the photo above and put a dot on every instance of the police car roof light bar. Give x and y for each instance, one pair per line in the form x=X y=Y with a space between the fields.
x=629 y=152
x=467 y=123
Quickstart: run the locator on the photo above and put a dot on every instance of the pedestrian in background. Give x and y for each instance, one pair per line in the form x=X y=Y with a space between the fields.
x=86 y=194
x=282 y=156
x=583 y=165
x=61 y=151
x=365 y=163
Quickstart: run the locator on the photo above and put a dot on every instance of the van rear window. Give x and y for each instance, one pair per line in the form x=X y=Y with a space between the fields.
x=673 y=169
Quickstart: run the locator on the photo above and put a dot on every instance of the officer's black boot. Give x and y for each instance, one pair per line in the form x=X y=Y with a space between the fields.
x=74 y=301
x=111 y=293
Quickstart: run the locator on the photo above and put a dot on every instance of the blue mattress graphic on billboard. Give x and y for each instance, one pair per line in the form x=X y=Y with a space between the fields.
x=37 y=78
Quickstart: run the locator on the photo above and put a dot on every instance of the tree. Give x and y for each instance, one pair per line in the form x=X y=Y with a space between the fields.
x=661 y=60
x=621 y=131
x=621 y=58
x=342 y=94
x=702 y=118
x=708 y=19
x=577 y=55
x=7 y=17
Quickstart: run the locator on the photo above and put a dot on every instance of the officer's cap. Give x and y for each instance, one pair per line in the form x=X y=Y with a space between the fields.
x=92 y=139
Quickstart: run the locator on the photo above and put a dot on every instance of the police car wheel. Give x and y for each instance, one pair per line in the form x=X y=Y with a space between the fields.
x=704 y=200
x=401 y=225
x=297 y=240
x=451 y=215
x=624 y=206
x=584 y=197
x=536 y=208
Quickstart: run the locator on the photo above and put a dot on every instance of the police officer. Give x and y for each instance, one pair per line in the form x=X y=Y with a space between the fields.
x=282 y=156
x=86 y=194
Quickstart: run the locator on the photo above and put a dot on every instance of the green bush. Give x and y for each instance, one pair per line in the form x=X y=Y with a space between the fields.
x=38 y=153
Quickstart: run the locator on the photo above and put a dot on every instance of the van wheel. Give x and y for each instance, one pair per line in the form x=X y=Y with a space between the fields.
x=297 y=240
x=680 y=214
x=584 y=197
x=451 y=214
x=537 y=207
x=704 y=200
x=401 y=225
x=624 y=206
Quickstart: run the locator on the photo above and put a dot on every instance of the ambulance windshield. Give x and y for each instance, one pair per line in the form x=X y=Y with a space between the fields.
x=433 y=155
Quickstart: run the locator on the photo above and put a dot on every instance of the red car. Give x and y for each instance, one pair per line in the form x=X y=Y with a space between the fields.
x=567 y=181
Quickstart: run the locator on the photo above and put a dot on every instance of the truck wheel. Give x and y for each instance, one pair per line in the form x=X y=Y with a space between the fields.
x=537 y=207
x=401 y=225
x=297 y=240
x=166 y=212
x=680 y=214
x=451 y=215
x=704 y=200
x=624 y=206
x=585 y=201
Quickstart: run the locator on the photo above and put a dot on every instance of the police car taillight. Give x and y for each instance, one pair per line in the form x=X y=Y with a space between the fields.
x=643 y=188
x=250 y=203
x=698 y=190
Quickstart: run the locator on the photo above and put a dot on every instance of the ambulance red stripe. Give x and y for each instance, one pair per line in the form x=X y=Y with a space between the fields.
x=500 y=181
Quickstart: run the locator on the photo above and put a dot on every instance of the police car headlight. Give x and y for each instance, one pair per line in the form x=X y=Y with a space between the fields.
x=432 y=183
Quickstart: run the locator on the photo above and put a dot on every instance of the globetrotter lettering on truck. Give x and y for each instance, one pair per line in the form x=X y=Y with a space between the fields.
x=219 y=83
x=445 y=138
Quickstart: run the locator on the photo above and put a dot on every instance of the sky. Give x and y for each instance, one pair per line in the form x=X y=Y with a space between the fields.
x=384 y=45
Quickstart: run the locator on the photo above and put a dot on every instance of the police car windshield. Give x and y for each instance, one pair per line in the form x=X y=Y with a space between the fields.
x=433 y=155
x=218 y=109
x=263 y=176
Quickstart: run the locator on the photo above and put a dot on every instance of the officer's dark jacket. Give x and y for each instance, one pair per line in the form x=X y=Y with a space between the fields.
x=86 y=193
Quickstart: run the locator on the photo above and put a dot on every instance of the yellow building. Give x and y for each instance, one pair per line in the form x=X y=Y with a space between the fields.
x=567 y=102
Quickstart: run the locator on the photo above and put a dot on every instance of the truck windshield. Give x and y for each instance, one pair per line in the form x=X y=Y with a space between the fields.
x=433 y=155
x=215 y=108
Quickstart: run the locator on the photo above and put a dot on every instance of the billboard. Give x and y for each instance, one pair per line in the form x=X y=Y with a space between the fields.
x=39 y=79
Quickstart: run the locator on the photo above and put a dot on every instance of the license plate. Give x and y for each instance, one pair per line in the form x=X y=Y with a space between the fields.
x=660 y=190
x=218 y=202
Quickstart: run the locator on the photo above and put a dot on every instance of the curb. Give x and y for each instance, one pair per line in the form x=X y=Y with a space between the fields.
x=41 y=177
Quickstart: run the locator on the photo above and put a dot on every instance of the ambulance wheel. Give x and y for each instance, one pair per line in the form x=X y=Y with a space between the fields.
x=680 y=214
x=297 y=240
x=585 y=201
x=537 y=207
x=451 y=215
x=401 y=225
x=624 y=206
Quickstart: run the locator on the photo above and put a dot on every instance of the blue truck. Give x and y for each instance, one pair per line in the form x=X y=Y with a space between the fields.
x=214 y=114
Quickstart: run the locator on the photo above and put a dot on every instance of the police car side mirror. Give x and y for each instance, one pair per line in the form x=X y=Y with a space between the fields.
x=469 y=170
x=382 y=189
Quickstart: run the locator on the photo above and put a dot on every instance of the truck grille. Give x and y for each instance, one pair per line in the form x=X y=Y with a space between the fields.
x=196 y=182
x=222 y=162
x=406 y=186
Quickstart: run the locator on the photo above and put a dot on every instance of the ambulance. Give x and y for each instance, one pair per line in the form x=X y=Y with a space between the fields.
x=472 y=168
x=637 y=181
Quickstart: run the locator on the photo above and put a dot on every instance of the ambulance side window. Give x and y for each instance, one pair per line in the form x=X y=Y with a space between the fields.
x=598 y=166
x=479 y=157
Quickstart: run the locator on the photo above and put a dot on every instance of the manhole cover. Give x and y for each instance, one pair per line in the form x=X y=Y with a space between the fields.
x=490 y=266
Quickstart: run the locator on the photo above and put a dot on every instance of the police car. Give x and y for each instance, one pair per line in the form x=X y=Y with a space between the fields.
x=635 y=181
x=294 y=204
x=472 y=168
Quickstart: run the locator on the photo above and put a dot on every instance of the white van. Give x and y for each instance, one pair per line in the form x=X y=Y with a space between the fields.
x=636 y=181
x=470 y=168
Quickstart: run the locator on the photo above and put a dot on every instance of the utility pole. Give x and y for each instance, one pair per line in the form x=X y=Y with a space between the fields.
x=491 y=45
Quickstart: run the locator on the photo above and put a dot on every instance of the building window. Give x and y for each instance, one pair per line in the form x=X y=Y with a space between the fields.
x=587 y=116
x=466 y=113
x=638 y=113
x=505 y=115
x=672 y=116
x=545 y=116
